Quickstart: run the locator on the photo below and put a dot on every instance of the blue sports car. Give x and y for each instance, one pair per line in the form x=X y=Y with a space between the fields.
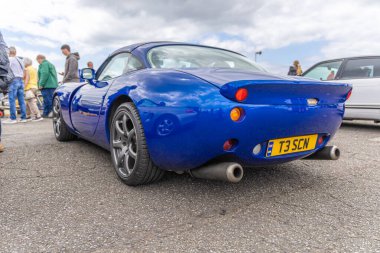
x=165 y=106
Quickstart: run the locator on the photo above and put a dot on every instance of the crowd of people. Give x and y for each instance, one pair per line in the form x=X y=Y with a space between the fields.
x=22 y=82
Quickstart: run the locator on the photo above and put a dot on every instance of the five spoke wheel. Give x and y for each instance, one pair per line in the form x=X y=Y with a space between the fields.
x=124 y=144
x=129 y=152
x=57 y=117
x=61 y=130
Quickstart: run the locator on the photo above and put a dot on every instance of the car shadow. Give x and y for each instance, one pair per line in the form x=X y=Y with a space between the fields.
x=367 y=125
x=259 y=178
x=200 y=198
x=261 y=183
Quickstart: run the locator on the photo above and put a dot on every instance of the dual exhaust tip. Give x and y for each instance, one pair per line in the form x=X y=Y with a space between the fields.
x=225 y=171
x=327 y=153
x=233 y=172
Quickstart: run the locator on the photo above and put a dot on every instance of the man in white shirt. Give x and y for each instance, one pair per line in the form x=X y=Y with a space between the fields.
x=16 y=88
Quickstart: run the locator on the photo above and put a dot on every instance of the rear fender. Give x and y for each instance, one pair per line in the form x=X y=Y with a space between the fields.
x=157 y=94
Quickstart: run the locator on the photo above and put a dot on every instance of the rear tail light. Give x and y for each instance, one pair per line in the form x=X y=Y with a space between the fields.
x=241 y=94
x=321 y=139
x=236 y=114
x=349 y=95
x=229 y=144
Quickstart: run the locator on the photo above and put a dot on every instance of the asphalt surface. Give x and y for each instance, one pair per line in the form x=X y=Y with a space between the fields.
x=65 y=197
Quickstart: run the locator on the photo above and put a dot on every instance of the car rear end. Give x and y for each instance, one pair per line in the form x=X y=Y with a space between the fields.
x=273 y=121
x=251 y=119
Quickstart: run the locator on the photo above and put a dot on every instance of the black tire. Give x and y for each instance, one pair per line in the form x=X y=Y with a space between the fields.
x=129 y=152
x=61 y=131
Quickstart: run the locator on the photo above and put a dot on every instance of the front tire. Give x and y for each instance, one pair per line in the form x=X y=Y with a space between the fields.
x=129 y=152
x=61 y=131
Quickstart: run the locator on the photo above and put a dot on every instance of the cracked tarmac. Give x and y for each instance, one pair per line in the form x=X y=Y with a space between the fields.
x=65 y=197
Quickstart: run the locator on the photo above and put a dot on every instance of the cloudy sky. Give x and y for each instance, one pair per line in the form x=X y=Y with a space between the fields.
x=308 y=30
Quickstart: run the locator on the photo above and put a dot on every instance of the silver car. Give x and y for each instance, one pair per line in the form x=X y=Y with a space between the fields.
x=364 y=74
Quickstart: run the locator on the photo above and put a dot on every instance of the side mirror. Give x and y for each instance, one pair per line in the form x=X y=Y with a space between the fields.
x=88 y=74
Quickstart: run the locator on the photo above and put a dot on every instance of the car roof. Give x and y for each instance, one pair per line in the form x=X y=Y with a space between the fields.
x=146 y=46
x=132 y=47
x=339 y=59
x=350 y=58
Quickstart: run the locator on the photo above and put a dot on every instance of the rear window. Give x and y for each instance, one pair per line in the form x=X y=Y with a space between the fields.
x=361 y=68
x=183 y=56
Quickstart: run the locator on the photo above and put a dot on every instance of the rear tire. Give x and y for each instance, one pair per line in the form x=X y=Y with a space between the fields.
x=129 y=152
x=61 y=131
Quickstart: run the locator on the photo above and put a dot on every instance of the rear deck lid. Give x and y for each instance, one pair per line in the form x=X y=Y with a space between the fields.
x=264 y=88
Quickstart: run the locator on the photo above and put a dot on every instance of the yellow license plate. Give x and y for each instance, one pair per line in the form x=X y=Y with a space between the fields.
x=291 y=145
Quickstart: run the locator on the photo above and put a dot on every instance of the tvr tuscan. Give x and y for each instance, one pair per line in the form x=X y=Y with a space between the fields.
x=165 y=106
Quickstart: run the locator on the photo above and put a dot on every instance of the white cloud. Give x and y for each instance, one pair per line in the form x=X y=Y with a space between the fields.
x=348 y=27
x=33 y=41
x=25 y=52
x=231 y=44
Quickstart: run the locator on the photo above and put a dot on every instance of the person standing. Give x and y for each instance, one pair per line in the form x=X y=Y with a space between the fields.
x=31 y=88
x=4 y=72
x=16 y=88
x=71 y=65
x=90 y=65
x=297 y=67
x=76 y=54
x=47 y=83
x=292 y=71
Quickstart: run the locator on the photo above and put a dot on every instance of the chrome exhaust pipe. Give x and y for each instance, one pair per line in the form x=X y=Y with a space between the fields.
x=227 y=171
x=327 y=153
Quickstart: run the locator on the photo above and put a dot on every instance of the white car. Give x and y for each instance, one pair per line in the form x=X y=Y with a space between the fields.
x=364 y=74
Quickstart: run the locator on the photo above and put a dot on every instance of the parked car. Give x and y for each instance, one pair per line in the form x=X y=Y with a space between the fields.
x=165 y=106
x=364 y=74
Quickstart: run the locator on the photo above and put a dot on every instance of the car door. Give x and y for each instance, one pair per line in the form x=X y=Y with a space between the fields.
x=364 y=75
x=87 y=102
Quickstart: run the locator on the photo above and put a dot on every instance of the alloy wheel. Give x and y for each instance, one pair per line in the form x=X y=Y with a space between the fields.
x=57 y=117
x=124 y=144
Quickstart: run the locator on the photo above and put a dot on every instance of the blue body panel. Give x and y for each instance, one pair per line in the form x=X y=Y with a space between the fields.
x=198 y=103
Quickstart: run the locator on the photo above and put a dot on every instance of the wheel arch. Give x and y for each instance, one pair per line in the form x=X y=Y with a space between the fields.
x=112 y=109
x=177 y=91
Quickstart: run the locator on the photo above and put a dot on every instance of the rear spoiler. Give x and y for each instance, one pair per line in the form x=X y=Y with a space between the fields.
x=287 y=92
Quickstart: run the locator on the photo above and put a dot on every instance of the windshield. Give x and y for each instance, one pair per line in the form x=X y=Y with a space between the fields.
x=179 y=57
x=324 y=71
